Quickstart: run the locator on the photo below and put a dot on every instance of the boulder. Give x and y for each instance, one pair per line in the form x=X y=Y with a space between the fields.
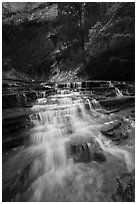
x=86 y=152
x=108 y=129
x=126 y=189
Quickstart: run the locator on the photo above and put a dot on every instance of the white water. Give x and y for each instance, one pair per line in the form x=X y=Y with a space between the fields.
x=118 y=92
x=42 y=94
x=96 y=104
x=64 y=120
x=25 y=98
x=110 y=84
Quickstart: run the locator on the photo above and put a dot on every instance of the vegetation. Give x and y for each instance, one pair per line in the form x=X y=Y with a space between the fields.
x=93 y=40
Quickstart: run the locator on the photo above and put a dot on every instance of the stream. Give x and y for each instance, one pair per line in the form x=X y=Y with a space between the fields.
x=65 y=156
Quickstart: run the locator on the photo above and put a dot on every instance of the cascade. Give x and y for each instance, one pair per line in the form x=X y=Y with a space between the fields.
x=25 y=98
x=110 y=84
x=68 y=85
x=65 y=146
x=127 y=92
x=42 y=94
x=56 y=125
x=79 y=86
x=116 y=151
x=89 y=103
x=96 y=104
x=118 y=92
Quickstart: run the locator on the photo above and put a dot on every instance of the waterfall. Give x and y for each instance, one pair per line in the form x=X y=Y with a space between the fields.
x=127 y=92
x=25 y=98
x=89 y=103
x=42 y=94
x=68 y=85
x=118 y=92
x=93 y=104
x=79 y=86
x=96 y=104
x=51 y=132
x=35 y=92
x=56 y=86
x=52 y=129
x=65 y=132
x=110 y=84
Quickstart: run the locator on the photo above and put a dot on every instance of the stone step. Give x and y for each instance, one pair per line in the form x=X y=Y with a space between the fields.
x=23 y=99
x=117 y=101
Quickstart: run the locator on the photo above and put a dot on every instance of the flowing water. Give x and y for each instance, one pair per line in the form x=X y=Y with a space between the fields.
x=118 y=92
x=67 y=128
x=110 y=84
x=25 y=98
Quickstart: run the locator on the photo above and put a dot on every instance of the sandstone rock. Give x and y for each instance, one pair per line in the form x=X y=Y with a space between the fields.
x=87 y=152
x=126 y=189
x=99 y=157
x=117 y=102
x=108 y=129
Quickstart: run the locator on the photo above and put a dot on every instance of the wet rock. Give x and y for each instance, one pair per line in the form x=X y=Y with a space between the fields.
x=94 y=84
x=81 y=153
x=87 y=152
x=18 y=99
x=17 y=185
x=15 y=131
x=108 y=133
x=99 y=157
x=123 y=135
x=118 y=101
x=116 y=140
x=73 y=149
x=108 y=129
x=103 y=89
x=126 y=189
x=9 y=100
x=117 y=131
x=31 y=96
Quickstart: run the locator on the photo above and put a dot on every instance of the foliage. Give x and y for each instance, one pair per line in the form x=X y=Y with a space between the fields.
x=65 y=33
x=114 y=30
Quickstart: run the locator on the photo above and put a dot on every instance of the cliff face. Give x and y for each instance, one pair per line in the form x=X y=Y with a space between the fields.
x=37 y=45
x=26 y=44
